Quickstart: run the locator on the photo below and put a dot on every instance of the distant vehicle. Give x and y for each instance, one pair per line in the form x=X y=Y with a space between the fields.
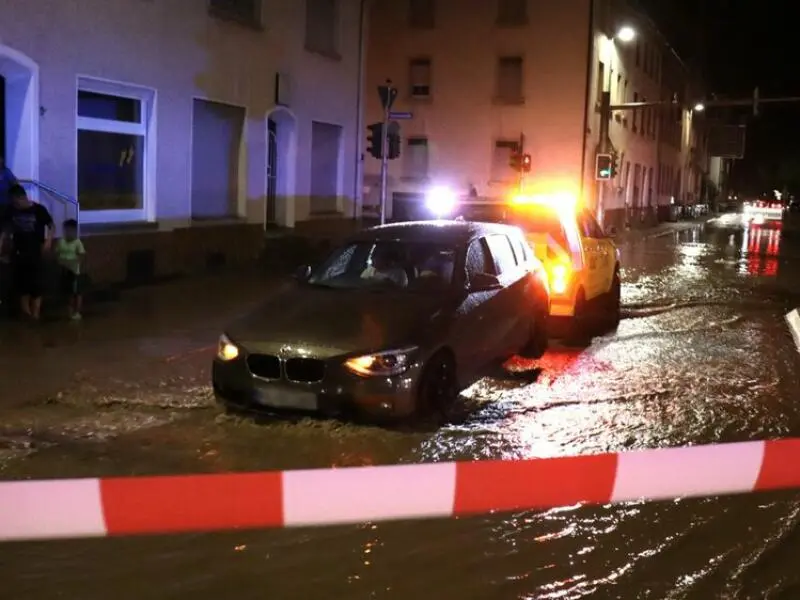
x=581 y=260
x=760 y=211
x=393 y=323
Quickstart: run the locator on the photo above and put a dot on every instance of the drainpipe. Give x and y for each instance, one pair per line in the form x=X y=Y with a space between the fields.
x=588 y=105
x=358 y=181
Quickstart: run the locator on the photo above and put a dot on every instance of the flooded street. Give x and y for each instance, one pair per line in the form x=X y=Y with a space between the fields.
x=702 y=355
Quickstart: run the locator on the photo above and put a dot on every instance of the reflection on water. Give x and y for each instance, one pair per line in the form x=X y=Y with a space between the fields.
x=760 y=251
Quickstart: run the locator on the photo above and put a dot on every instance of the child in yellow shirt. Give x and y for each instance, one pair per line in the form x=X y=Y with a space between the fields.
x=71 y=256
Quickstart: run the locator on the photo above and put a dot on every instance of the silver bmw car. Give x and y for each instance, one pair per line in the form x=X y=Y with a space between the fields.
x=394 y=322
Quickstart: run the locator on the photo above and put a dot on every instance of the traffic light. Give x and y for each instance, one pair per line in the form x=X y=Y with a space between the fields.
x=614 y=165
x=375 y=140
x=393 y=143
x=604 y=167
x=526 y=163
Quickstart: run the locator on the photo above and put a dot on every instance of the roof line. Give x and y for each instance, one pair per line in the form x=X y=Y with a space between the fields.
x=643 y=14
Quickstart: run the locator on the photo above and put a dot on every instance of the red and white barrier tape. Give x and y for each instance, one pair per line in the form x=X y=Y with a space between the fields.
x=70 y=508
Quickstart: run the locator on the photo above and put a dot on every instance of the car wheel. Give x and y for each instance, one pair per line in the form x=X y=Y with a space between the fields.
x=438 y=387
x=582 y=328
x=539 y=335
x=615 y=300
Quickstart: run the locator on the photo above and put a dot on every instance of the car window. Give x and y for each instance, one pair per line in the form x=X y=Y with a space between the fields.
x=596 y=228
x=388 y=264
x=479 y=260
x=521 y=250
x=502 y=253
x=589 y=226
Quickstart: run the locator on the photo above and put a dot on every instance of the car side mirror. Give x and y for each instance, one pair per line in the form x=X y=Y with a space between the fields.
x=483 y=282
x=303 y=273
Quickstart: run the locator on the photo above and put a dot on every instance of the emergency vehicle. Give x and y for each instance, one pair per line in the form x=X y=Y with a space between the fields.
x=760 y=211
x=582 y=262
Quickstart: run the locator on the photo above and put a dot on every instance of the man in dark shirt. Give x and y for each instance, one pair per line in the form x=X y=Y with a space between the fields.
x=31 y=228
x=7 y=180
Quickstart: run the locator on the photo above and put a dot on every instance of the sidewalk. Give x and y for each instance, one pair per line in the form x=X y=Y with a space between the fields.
x=634 y=235
x=138 y=340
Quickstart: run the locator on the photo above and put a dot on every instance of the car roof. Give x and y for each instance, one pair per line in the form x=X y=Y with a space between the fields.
x=443 y=232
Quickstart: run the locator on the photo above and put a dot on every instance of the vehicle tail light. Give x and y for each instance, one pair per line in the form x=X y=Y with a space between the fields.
x=559 y=278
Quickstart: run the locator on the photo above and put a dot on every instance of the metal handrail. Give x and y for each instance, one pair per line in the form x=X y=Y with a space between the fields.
x=65 y=199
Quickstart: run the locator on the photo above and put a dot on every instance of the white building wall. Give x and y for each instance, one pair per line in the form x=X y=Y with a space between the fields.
x=179 y=52
x=462 y=119
x=632 y=71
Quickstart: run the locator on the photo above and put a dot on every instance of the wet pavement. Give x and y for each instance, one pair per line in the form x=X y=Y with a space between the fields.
x=703 y=355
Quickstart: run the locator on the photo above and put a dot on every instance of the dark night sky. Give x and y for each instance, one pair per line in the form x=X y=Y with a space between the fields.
x=742 y=44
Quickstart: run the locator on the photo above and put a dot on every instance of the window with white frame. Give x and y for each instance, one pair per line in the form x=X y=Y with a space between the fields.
x=509 y=80
x=322 y=27
x=422 y=14
x=114 y=150
x=420 y=77
x=416 y=161
x=503 y=150
x=512 y=13
x=246 y=12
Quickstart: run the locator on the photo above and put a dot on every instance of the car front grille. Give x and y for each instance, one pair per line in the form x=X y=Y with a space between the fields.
x=264 y=365
x=304 y=370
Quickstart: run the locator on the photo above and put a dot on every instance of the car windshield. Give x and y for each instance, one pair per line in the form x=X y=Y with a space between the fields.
x=414 y=266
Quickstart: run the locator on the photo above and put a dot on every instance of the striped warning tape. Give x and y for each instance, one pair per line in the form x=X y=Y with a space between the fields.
x=67 y=508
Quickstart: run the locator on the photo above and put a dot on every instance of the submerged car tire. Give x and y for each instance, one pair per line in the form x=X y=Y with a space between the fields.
x=582 y=326
x=539 y=336
x=438 y=386
x=615 y=300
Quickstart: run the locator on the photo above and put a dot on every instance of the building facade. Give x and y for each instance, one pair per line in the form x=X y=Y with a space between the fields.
x=201 y=119
x=485 y=78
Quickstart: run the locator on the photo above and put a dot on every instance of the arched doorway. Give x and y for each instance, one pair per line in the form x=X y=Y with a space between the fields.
x=19 y=102
x=279 y=209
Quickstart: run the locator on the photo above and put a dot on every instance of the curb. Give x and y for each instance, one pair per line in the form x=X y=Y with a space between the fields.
x=793 y=321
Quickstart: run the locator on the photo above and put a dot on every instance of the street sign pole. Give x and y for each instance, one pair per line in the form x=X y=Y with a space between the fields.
x=387 y=93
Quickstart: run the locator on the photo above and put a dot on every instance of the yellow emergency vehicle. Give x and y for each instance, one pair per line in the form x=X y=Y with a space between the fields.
x=582 y=262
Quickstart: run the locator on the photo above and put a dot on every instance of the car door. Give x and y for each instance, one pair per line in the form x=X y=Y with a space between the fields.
x=511 y=322
x=606 y=253
x=592 y=256
x=472 y=335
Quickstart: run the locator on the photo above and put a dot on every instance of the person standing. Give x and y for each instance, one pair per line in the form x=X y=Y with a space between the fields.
x=7 y=180
x=31 y=228
x=71 y=256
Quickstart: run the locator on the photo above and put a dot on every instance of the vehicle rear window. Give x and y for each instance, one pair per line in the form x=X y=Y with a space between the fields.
x=540 y=222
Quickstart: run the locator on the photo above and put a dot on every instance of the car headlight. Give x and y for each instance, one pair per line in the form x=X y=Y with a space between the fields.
x=226 y=349
x=392 y=362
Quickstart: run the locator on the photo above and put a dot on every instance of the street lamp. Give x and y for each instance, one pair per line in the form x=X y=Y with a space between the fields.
x=626 y=34
x=699 y=107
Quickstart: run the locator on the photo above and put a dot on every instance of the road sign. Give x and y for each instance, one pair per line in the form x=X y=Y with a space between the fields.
x=387 y=94
x=401 y=116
